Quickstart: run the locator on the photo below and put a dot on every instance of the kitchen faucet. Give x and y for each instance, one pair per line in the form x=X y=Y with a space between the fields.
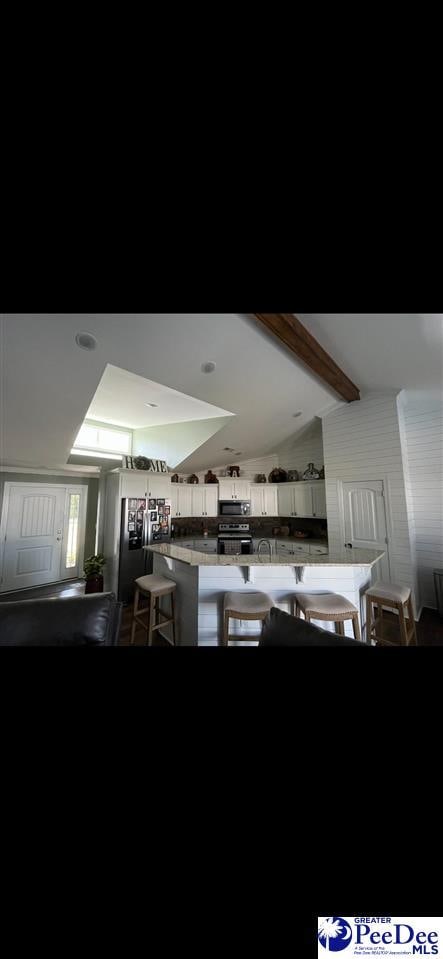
x=266 y=543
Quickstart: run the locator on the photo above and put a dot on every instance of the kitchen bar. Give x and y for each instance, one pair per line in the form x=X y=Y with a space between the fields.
x=202 y=580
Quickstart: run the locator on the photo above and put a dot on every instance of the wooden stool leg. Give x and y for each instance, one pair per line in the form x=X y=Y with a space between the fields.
x=402 y=621
x=340 y=628
x=413 y=631
x=380 y=620
x=368 y=620
x=134 y=621
x=356 y=626
x=174 y=635
x=151 y=621
x=226 y=629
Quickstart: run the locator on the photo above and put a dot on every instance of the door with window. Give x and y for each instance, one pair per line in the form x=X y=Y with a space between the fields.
x=365 y=524
x=43 y=528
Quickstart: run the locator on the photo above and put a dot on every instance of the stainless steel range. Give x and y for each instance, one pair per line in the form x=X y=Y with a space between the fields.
x=234 y=539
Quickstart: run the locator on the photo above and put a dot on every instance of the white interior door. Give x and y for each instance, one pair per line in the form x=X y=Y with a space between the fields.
x=365 y=520
x=43 y=534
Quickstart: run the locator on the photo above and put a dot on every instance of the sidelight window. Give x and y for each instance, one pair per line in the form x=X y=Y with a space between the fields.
x=73 y=530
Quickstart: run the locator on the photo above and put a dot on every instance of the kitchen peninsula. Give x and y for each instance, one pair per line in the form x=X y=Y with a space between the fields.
x=202 y=580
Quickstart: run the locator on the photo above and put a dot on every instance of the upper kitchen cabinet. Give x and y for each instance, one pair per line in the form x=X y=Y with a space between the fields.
x=319 y=499
x=181 y=500
x=204 y=500
x=187 y=500
x=234 y=489
x=302 y=499
x=142 y=483
x=264 y=500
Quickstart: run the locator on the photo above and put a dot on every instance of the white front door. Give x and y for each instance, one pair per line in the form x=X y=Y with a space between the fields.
x=365 y=520
x=42 y=531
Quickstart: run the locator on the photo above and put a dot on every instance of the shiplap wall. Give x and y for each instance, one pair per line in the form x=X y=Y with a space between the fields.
x=423 y=426
x=303 y=448
x=361 y=442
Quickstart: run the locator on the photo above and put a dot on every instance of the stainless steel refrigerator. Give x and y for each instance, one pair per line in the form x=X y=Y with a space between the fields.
x=144 y=522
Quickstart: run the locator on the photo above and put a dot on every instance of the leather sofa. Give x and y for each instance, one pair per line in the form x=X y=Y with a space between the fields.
x=281 y=629
x=72 y=621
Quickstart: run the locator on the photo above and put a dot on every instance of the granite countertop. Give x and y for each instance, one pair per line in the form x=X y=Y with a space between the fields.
x=335 y=557
x=255 y=536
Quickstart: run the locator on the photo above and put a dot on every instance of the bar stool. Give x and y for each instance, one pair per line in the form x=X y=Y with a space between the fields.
x=396 y=598
x=251 y=606
x=328 y=608
x=153 y=587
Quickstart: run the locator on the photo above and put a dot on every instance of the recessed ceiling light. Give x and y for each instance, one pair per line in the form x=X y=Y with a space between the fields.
x=208 y=367
x=300 y=413
x=86 y=341
x=152 y=404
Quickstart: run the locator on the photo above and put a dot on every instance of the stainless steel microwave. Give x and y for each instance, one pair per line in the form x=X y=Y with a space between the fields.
x=232 y=507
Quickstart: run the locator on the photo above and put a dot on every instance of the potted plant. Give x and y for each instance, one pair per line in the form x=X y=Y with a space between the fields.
x=93 y=573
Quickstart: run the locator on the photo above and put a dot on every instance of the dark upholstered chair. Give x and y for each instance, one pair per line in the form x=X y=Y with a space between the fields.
x=281 y=629
x=73 y=621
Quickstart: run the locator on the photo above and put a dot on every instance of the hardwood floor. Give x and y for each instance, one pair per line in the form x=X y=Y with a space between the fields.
x=73 y=588
x=429 y=629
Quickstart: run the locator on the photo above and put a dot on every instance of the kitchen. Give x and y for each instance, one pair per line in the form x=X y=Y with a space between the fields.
x=228 y=516
x=221 y=437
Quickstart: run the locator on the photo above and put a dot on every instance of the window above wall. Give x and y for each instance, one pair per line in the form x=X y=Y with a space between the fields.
x=94 y=437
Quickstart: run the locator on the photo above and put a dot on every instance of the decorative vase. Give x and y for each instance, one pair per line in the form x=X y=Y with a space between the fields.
x=311 y=473
x=94 y=584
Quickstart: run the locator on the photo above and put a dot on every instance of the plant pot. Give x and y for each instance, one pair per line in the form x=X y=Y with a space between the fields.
x=94 y=584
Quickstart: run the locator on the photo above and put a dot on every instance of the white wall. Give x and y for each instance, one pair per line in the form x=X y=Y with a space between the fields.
x=362 y=441
x=423 y=430
x=303 y=448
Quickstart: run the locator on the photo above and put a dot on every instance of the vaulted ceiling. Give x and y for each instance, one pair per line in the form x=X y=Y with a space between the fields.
x=48 y=383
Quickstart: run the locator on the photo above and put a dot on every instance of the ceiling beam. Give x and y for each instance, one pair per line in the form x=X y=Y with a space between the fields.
x=288 y=329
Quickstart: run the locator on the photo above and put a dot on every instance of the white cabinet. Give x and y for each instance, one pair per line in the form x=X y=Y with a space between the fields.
x=302 y=499
x=159 y=486
x=194 y=500
x=234 y=489
x=139 y=483
x=182 y=503
x=263 y=500
x=133 y=484
x=319 y=500
x=204 y=501
x=206 y=545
